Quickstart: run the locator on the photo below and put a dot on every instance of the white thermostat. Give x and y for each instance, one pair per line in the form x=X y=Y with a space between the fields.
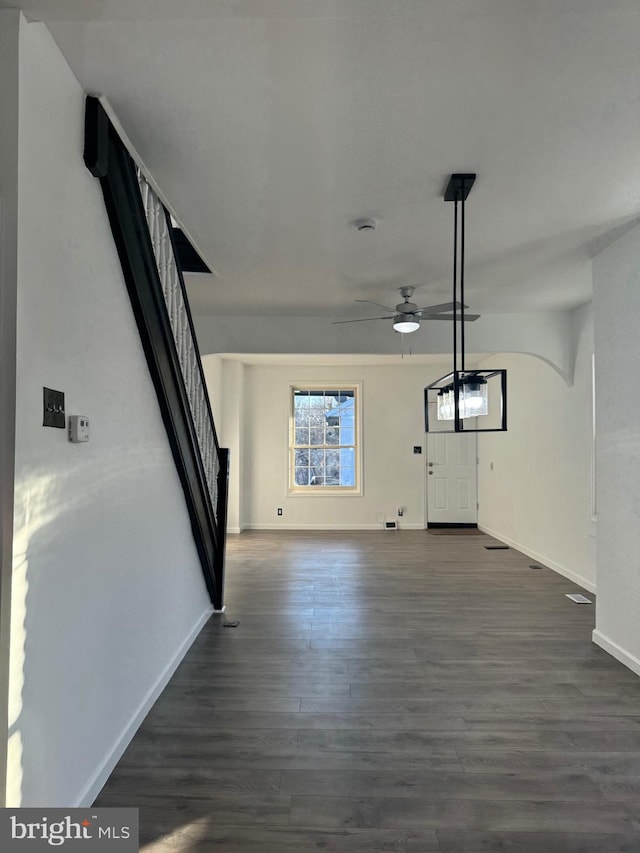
x=78 y=428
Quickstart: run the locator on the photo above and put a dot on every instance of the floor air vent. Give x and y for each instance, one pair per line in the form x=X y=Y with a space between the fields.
x=497 y=547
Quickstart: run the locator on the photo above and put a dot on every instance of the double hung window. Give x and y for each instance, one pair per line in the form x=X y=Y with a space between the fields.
x=324 y=439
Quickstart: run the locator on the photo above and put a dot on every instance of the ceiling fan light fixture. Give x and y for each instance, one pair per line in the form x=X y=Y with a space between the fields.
x=405 y=325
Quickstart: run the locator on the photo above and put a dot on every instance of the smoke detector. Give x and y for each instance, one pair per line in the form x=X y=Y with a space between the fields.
x=366 y=224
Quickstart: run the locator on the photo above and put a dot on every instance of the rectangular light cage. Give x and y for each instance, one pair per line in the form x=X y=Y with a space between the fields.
x=467 y=401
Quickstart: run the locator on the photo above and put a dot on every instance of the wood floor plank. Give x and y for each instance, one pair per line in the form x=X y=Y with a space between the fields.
x=289 y=759
x=406 y=693
x=605 y=765
x=193 y=783
x=201 y=837
x=173 y=813
x=467 y=814
x=267 y=719
x=439 y=705
x=441 y=785
x=535 y=842
x=496 y=720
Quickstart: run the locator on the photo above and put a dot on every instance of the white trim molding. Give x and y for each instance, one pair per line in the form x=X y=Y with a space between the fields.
x=97 y=782
x=329 y=527
x=616 y=651
x=550 y=564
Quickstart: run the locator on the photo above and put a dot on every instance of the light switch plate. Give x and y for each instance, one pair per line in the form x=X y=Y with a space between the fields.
x=53 y=405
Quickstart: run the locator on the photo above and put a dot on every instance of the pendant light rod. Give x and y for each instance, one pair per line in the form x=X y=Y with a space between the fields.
x=457 y=190
x=462 y=287
x=455 y=286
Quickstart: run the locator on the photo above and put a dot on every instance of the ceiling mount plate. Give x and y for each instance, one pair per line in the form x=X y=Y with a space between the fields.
x=407 y=291
x=459 y=186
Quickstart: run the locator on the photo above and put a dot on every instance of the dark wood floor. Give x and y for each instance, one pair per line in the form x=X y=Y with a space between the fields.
x=389 y=691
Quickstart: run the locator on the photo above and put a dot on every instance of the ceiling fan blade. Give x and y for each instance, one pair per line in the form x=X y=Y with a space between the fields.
x=468 y=318
x=362 y=319
x=368 y=301
x=444 y=306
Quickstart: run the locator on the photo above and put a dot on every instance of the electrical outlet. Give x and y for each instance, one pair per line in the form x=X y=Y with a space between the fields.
x=400 y=511
x=279 y=510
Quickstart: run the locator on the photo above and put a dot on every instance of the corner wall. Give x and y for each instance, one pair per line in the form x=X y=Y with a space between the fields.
x=617 y=309
x=233 y=432
x=107 y=587
x=212 y=367
x=535 y=480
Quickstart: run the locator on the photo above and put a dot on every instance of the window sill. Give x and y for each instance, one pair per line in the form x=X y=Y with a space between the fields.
x=325 y=492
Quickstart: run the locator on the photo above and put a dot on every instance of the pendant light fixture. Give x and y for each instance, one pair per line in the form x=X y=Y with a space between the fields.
x=463 y=396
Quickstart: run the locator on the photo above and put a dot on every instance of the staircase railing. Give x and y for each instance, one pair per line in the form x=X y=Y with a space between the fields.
x=143 y=236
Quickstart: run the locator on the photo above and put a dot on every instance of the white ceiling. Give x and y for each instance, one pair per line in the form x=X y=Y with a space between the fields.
x=271 y=125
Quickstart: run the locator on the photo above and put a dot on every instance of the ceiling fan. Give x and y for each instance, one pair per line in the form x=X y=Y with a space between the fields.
x=406 y=315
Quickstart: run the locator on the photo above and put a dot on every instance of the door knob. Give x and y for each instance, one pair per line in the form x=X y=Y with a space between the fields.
x=430 y=472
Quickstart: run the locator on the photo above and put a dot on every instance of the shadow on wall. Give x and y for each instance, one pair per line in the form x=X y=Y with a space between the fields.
x=60 y=593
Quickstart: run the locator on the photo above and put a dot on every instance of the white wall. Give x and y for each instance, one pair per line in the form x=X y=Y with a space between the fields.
x=107 y=590
x=9 y=36
x=393 y=422
x=538 y=495
x=617 y=309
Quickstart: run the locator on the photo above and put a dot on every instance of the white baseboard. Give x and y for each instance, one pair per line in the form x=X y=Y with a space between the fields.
x=616 y=651
x=99 y=778
x=561 y=570
x=372 y=526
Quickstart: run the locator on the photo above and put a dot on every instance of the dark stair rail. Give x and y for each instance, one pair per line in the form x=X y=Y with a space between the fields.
x=145 y=242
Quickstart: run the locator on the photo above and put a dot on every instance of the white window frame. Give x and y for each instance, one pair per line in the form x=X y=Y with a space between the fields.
x=326 y=491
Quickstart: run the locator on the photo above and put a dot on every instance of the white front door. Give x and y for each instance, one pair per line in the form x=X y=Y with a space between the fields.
x=452 y=485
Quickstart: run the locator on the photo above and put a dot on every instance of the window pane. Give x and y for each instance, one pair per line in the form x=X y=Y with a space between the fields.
x=333 y=475
x=348 y=457
x=302 y=457
x=347 y=476
x=333 y=435
x=333 y=458
x=301 y=417
x=302 y=436
x=302 y=476
x=316 y=433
